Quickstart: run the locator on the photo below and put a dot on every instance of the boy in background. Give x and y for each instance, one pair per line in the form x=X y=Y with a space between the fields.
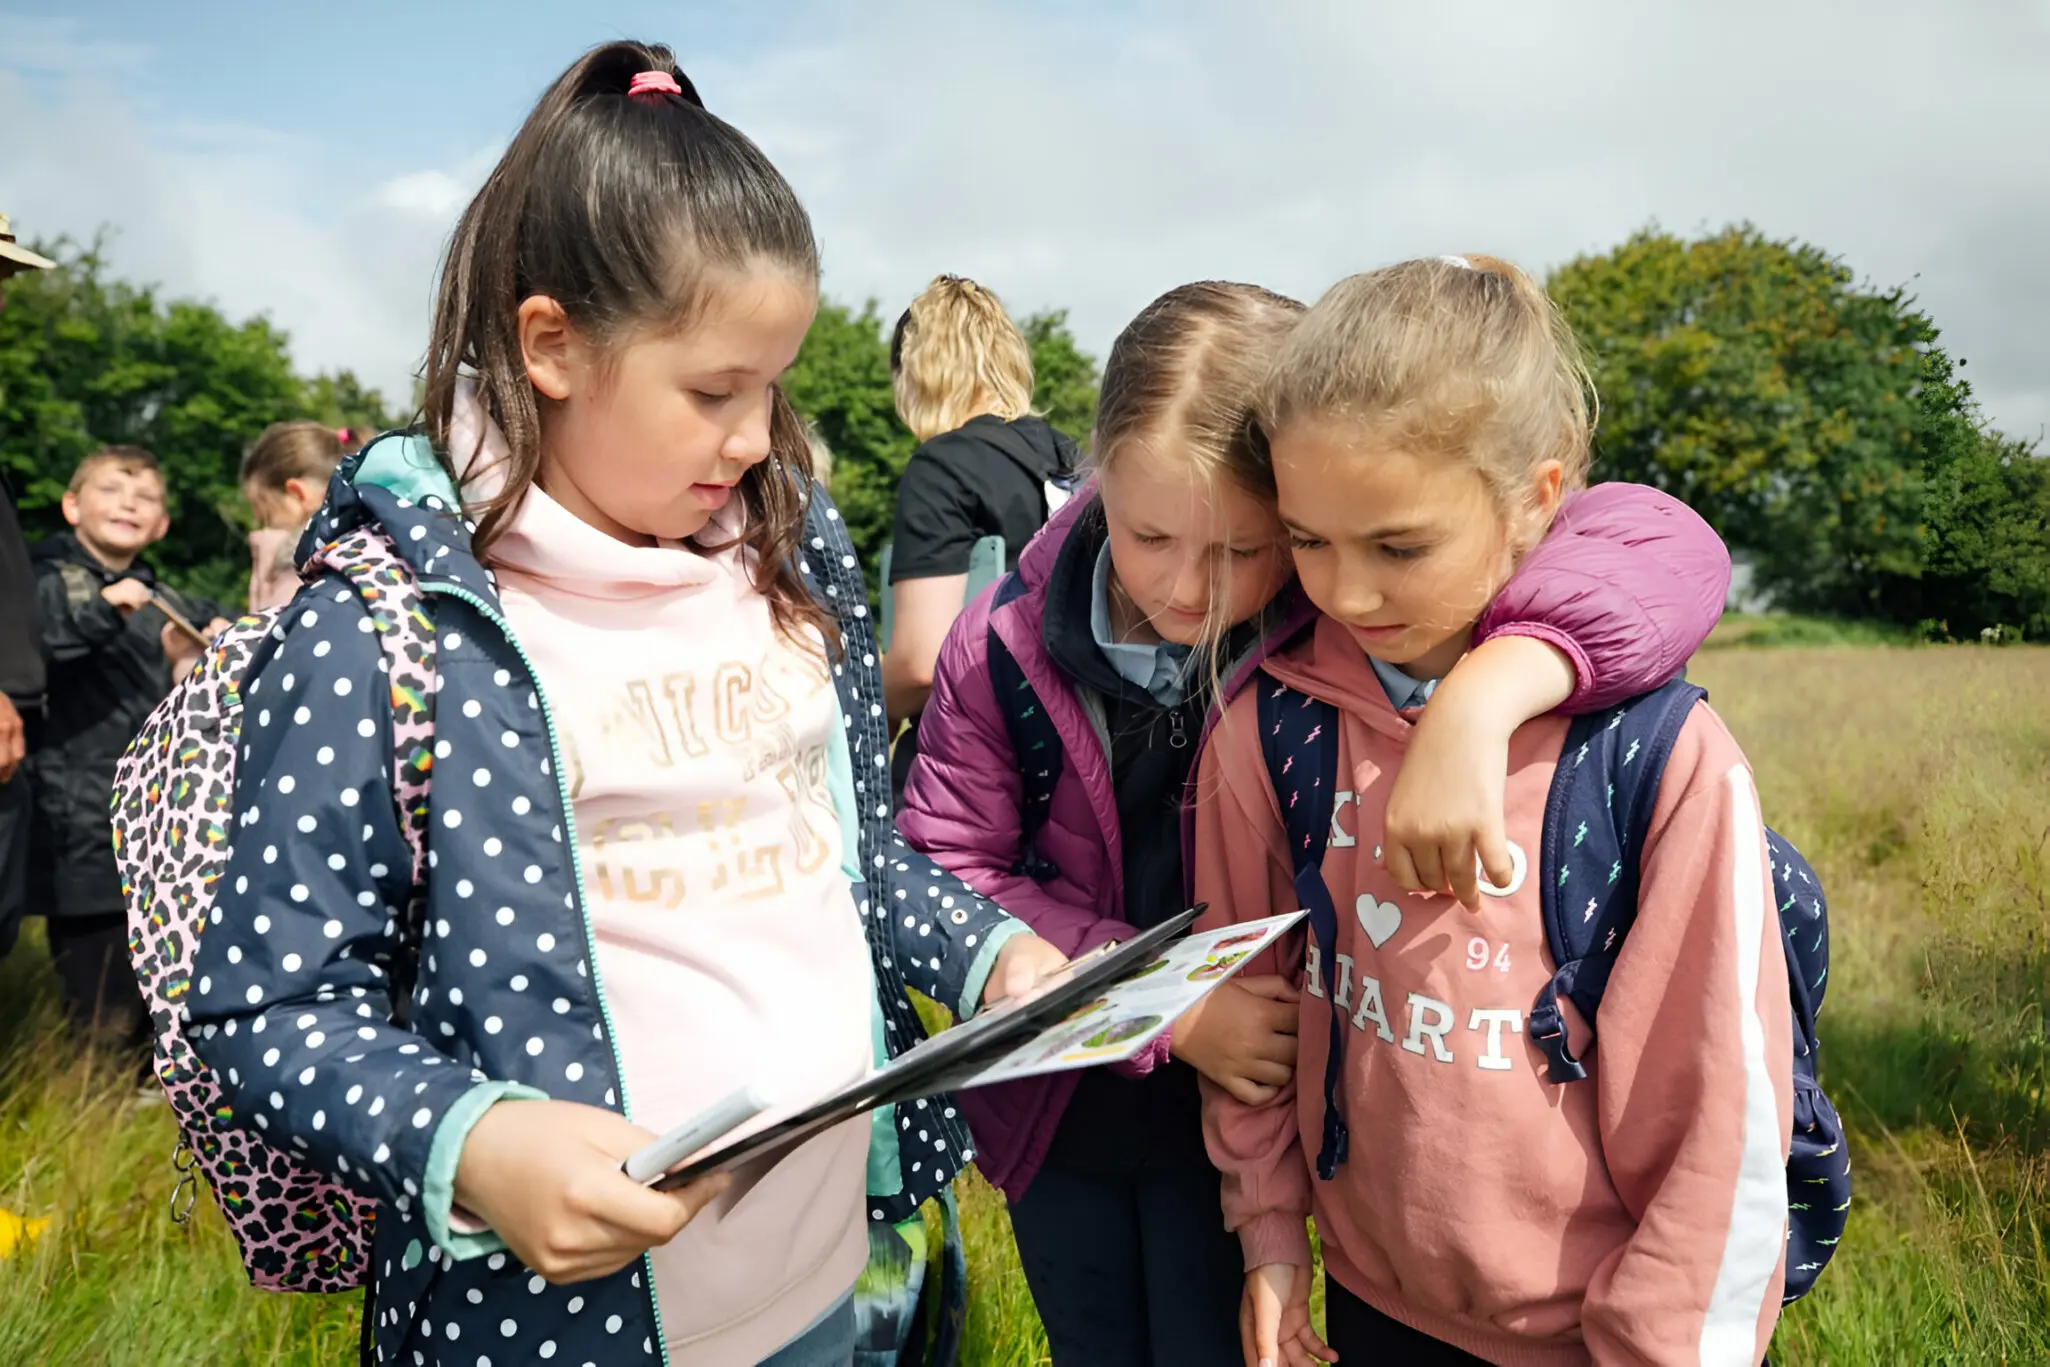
x=113 y=655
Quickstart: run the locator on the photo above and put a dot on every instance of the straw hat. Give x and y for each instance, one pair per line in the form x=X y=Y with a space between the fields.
x=14 y=257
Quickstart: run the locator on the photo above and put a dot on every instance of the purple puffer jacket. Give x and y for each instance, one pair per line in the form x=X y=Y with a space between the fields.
x=1628 y=584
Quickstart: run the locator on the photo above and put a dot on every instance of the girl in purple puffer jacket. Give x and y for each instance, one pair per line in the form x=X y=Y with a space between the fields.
x=1134 y=617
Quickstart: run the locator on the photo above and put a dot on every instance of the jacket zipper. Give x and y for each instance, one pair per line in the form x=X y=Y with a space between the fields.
x=576 y=868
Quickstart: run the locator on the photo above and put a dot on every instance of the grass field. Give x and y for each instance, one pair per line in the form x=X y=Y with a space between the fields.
x=1918 y=781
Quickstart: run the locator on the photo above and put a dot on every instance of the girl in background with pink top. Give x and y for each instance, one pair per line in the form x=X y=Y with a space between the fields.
x=659 y=819
x=1146 y=603
x=1426 y=423
x=284 y=480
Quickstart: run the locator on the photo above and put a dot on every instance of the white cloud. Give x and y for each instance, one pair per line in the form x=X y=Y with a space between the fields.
x=1075 y=160
x=1074 y=164
x=433 y=195
x=253 y=220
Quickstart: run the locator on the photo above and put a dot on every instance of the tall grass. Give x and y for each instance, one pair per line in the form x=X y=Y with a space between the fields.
x=1918 y=781
x=112 y=1278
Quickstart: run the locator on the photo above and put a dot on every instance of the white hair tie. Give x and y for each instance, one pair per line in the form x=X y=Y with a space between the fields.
x=1458 y=261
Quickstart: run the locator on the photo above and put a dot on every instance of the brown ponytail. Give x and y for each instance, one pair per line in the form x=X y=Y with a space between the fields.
x=622 y=208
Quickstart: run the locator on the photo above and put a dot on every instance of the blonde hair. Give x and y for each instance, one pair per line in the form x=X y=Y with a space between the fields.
x=1184 y=375
x=133 y=460
x=286 y=451
x=956 y=355
x=1182 y=379
x=1463 y=357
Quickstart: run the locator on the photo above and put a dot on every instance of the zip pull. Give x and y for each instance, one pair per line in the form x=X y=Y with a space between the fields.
x=1178 y=736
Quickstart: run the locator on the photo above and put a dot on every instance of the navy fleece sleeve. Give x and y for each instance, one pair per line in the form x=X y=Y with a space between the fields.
x=945 y=935
x=292 y=980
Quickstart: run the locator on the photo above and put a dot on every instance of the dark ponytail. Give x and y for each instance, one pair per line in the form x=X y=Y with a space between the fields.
x=622 y=208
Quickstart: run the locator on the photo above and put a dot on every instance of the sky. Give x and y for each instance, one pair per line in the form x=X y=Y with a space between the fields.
x=307 y=161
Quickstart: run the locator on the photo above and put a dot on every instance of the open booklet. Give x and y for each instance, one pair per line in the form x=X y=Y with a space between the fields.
x=1100 y=1008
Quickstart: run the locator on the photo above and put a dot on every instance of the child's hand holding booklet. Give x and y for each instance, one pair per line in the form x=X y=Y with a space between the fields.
x=1100 y=1008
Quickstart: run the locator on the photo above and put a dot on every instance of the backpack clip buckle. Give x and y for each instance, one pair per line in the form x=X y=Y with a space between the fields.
x=1337 y=1144
x=1036 y=866
x=1547 y=1030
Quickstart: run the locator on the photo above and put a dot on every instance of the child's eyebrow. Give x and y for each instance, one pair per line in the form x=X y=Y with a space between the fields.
x=1370 y=534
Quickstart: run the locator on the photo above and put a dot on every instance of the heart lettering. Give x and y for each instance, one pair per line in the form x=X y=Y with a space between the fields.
x=1380 y=920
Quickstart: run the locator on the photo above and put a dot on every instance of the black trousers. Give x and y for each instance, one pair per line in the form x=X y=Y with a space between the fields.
x=1132 y=1270
x=101 y=997
x=1360 y=1334
x=15 y=818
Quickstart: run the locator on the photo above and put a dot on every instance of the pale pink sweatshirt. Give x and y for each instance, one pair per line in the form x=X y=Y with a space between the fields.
x=729 y=949
x=1638 y=1216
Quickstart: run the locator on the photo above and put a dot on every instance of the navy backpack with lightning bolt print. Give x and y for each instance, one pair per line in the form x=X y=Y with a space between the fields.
x=1597 y=817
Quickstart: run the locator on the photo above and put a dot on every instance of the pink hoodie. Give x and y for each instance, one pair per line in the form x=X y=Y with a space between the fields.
x=1636 y=1216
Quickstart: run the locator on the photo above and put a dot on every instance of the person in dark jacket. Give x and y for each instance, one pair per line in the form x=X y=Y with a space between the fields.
x=114 y=649
x=21 y=662
x=21 y=694
x=986 y=466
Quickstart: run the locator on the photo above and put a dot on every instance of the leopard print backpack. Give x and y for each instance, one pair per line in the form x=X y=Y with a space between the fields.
x=173 y=800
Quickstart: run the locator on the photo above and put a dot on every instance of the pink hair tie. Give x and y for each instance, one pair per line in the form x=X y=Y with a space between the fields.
x=654 y=83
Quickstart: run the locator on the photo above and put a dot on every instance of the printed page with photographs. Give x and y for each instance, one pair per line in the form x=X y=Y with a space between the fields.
x=1129 y=1013
x=1099 y=1008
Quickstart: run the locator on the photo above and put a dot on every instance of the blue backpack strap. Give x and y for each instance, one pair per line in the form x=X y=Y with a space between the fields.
x=1804 y=917
x=1596 y=820
x=1299 y=738
x=1035 y=743
x=1818 y=1166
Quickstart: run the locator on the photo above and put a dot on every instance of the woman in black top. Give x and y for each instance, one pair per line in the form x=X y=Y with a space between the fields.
x=985 y=467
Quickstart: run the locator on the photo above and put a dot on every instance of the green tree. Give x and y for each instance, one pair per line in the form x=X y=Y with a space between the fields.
x=1756 y=380
x=86 y=361
x=1985 y=523
x=342 y=400
x=1064 y=377
x=841 y=382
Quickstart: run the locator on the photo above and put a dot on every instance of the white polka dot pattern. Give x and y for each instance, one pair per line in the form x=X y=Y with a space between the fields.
x=502 y=987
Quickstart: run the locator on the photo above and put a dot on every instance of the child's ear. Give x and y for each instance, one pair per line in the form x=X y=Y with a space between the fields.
x=1547 y=489
x=306 y=499
x=548 y=346
x=161 y=529
x=70 y=506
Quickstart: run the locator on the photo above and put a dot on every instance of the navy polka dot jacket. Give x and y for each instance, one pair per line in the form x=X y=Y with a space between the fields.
x=299 y=970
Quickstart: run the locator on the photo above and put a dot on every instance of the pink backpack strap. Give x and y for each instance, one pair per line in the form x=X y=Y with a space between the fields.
x=385 y=583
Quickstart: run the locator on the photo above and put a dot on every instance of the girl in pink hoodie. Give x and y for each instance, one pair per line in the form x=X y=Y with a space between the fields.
x=1425 y=423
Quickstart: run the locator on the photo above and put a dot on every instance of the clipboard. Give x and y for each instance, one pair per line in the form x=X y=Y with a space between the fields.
x=177 y=619
x=944 y=1061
